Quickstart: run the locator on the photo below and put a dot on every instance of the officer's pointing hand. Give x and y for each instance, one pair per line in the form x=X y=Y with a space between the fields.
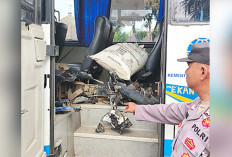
x=130 y=107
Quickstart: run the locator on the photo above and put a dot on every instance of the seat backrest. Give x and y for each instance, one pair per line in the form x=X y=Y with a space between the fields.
x=154 y=58
x=111 y=35
x=101 y=40
x=60 y=35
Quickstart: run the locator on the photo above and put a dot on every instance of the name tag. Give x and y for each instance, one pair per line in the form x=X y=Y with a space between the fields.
x=199 y=133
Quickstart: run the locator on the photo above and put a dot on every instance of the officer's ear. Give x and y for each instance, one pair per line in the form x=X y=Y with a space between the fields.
x=204 y=72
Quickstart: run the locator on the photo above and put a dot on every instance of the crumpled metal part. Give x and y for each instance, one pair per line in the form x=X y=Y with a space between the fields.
x=82 y=99
x=128 y=90
x=141 y=97
x=117 y=121
x=71 y=72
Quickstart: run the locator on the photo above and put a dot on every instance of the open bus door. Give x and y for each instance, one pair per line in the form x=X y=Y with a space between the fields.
x=33 y=54
x=180 y=32
x=35 y=87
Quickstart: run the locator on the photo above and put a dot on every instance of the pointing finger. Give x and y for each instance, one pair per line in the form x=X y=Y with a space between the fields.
x=126 y=104
x=126 y=110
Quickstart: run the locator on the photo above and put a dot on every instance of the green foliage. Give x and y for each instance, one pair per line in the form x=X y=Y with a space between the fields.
x=148 y=18
x=154 y=6
x=154 y=33
x=193 y=8
x=140 y=35
x=120 y=36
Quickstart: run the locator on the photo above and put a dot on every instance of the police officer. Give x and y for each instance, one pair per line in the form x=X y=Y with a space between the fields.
x=193 y=119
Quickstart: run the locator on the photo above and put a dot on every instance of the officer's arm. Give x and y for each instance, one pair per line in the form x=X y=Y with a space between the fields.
x=162 y=113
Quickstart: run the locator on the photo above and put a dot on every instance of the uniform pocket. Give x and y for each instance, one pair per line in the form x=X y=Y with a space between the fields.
x=193 y=145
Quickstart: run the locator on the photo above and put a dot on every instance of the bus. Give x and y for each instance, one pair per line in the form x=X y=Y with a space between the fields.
x=57 y=38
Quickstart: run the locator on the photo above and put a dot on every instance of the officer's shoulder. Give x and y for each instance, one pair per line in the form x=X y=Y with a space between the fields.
x=193 y=103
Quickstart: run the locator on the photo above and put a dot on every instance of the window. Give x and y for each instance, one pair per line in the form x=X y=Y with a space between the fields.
x=28 y=12
x=30 y=2
x=66 y=9
x=190 y=11
x=135 y=20
x=31 y=11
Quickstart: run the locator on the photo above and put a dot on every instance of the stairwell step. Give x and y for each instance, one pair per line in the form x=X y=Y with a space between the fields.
x=91 y=115
x=131 y=143
x=127 y=135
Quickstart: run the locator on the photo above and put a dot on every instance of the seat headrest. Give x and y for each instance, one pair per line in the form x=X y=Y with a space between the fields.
x=61 y=31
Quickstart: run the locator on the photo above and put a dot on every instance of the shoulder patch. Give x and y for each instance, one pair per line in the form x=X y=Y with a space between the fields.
x=185 y=155
x=189 y=143
x=206 y=122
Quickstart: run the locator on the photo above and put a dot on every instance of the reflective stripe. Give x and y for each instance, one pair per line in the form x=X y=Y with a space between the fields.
x=167 y=147
x=179 y=97
x=47 y=149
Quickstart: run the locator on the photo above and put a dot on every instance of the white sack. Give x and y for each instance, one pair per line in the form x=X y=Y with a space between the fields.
x=124 y=59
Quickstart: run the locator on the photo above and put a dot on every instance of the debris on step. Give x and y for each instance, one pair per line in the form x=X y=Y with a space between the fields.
x=75 y=94
x=82 y=99
x=117 y=121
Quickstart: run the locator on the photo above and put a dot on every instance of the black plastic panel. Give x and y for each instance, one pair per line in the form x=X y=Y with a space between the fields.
x=31 y=11
x=28 y=11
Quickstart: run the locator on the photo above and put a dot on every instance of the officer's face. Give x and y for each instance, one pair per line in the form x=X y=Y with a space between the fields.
x=192 y=75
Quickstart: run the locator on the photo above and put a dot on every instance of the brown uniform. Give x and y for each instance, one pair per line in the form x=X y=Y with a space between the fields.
x=192 y=138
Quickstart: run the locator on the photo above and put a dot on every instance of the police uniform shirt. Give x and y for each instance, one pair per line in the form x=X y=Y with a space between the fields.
x=192 y=138
x=202 y=106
